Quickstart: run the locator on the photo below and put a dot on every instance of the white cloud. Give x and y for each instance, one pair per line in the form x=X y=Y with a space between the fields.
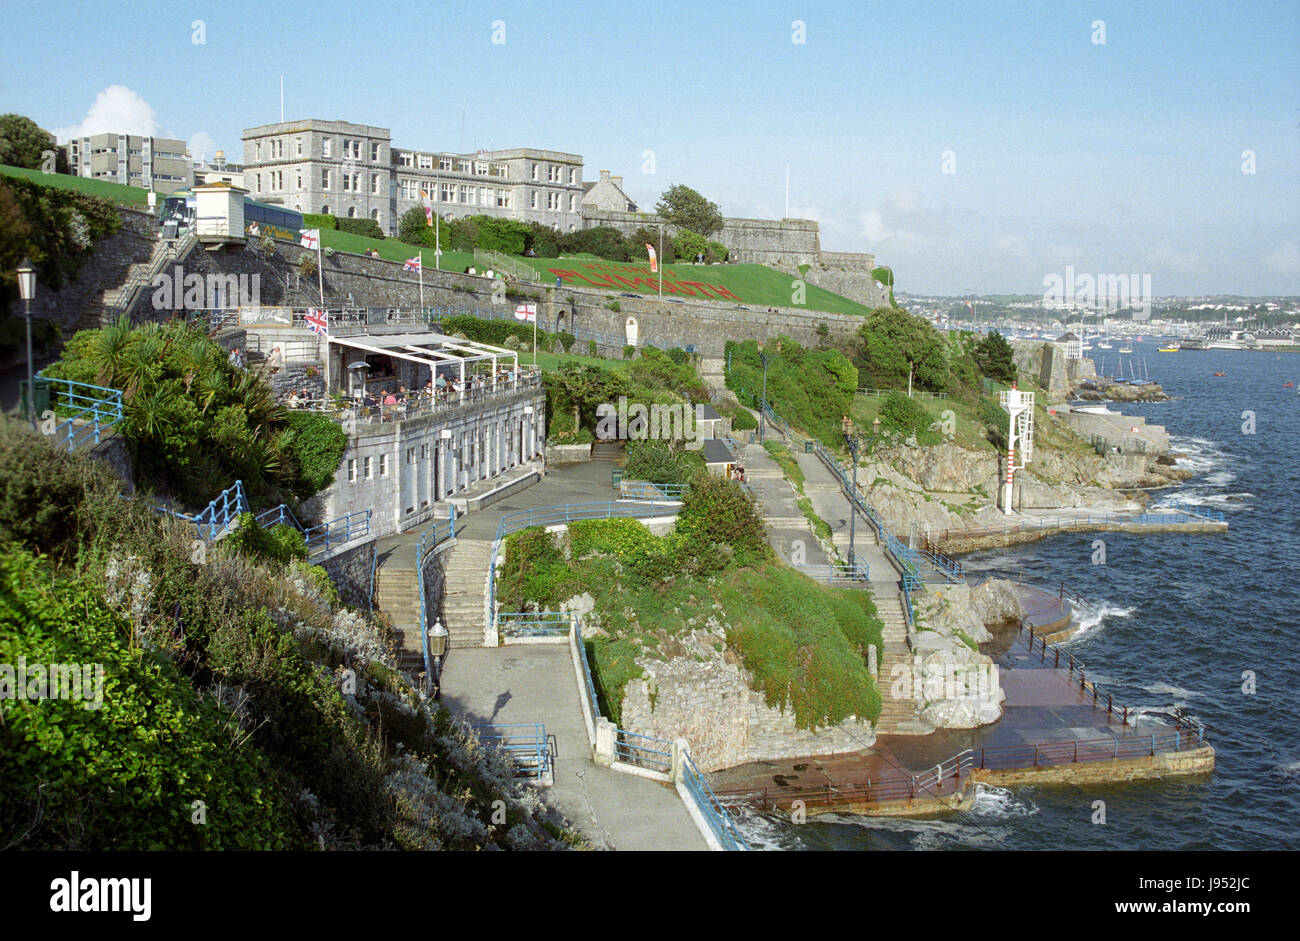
x=202 y=146
x=117 y=109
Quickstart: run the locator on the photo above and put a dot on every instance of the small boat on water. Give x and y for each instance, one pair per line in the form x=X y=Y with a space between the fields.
x=1288 y=385
x=1171 y=348
x=1218 y=375
x=1104 y=345
x=1126 y=349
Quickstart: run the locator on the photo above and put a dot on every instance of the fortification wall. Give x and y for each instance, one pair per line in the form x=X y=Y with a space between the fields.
x=355 y=280
x=782 y=243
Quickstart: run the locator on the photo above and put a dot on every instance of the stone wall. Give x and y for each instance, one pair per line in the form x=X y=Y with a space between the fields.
x=355 y=280
x=705 y=698
x=351 y=569
x=782 y=243
x=80 y=304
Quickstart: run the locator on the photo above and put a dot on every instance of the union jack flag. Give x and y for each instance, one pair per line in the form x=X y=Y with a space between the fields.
x=412 y=264
x=317 y=322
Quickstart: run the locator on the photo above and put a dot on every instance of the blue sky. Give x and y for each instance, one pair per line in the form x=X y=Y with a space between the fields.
x=1122 y=157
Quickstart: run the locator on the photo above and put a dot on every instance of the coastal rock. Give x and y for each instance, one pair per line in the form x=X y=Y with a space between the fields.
x=996 y=602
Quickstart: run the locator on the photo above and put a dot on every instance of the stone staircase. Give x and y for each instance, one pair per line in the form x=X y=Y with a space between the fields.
x=712 y=372
x=398 y=595
x=465 y=570
x=897 y=715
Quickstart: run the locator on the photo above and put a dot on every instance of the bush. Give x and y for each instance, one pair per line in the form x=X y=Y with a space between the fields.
x=716 y=510
x=904 y=415
x=689 y=245
x=592 y=349
x=629 y=351
x=317 y=445
x=718 y=251
x=315 y=220
x=566 y=341
x=367 y=227
x=602 y=241
x=279 y=543
x=655 y=461
x=614 y=306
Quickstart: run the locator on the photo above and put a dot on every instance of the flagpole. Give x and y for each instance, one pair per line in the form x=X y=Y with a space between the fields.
x=320 y=279
x=420 y=268
x=534 y=336
x=437 y=243
x=661 y=261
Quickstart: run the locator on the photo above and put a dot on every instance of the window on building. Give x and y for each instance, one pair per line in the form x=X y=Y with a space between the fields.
x=324 y=179
x=503 y=199
x=500 y=170
x=462 y=166
x=383 y=465
x=298 y=142
x=410 y=455
x=573 y=176
x=553 y=173
x=374 y=214
x=532 y=199
x=299 y=181
x=352 y=212
x=366 y=466
x=444 y=163
x=573 y=204
x=257 y=180
x=467 y=195
x=324 y=210
x=424 y=452
x=374 y=151
x=375 y=180
x=535 y=172
x=426 y=161
x=352 y=469
x=447 y=193
x=405 y=160
x=257 y=151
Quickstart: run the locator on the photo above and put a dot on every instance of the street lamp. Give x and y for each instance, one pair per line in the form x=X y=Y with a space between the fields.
x=438 y=642
x=762 y=414
x=27 y=290
x=853 y=440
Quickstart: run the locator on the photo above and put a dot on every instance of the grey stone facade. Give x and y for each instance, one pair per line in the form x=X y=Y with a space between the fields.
x=352 y=569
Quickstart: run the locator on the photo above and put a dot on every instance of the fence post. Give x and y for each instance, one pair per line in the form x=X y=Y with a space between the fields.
x=606 y=736
x=677 y=771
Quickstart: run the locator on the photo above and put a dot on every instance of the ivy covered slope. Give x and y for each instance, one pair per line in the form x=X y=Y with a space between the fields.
x=195 y=423
x=804 y=644
x=242 y=706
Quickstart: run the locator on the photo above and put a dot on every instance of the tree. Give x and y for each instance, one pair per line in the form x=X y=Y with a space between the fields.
x=690 y=245
x=649 y=235
x=413 y=226
x=891 y=342
x=22 y=142
x=685 y=208
x=995 y=358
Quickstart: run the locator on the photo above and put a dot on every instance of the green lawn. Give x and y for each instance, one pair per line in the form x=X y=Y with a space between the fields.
x=114 y=192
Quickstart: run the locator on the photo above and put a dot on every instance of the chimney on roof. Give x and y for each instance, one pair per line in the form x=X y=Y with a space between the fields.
x=604 y=176
x=617 y=181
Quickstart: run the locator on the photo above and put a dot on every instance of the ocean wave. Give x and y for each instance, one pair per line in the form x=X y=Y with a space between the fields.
x=1095 y=615
x=1164 y=689
x=993 y=801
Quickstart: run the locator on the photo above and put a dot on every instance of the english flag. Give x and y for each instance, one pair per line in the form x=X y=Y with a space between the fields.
x=412 y=264
x=654 y=259
x=317 y=321
x=526 y=312
x=311 y=238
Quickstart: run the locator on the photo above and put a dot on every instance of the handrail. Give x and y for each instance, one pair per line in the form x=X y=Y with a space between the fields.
x=98 y=407
x=712 y=809
x=440 y=531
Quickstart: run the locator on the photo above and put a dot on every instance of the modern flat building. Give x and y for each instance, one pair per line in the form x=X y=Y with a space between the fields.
x=353 y=171
x=154 y=163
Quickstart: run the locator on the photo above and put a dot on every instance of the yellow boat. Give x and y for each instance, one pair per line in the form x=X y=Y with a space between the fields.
x=1168 y=349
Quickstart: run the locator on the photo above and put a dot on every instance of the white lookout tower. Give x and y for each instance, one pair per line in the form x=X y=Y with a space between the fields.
x=1020 y=431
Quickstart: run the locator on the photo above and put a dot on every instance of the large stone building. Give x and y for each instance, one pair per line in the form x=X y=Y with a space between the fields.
x=153 y=163
x=353 y=171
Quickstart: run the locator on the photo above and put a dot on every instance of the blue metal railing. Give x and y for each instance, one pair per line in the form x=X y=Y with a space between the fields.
x=839 y=573
x=645 y=490
x=278 y=516
x=337 y=532
x=86 y=410
x=525 y=746
x=715 y=815
x=217 y=517
x=637 y=749
x=586 y=667
x=534 y=623
x=439 y=532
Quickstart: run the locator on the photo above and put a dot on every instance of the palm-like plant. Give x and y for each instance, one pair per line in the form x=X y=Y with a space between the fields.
x=108 y=351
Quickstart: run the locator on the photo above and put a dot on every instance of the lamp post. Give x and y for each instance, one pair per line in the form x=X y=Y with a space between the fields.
x=853 y=440
x=27 y=290
x=762 y=414
x=438 y=640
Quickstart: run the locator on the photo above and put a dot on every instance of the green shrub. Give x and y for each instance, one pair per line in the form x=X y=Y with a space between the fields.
x=317 y=446
x=367 y=227
x=614 y=306
x=904 y=415
x=279 y=543
x=718 y=251
x=592 y=349
x=629 y=350
x=613 y=665
x=316 y=220
x=716 y=510
x=566 y=341
x=656 y=462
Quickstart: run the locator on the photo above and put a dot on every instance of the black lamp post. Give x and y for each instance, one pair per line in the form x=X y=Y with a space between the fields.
x=853 y=440
x=762 y=414
x=27 y=290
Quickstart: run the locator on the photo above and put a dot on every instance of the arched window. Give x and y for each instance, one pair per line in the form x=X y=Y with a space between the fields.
x=324 y=210
x=352 y=212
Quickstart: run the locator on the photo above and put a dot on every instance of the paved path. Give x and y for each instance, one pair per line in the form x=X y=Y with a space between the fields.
x=536 y=683
x=529 y=683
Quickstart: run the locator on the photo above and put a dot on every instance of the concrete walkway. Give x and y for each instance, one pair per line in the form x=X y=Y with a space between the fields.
x=536 y=683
